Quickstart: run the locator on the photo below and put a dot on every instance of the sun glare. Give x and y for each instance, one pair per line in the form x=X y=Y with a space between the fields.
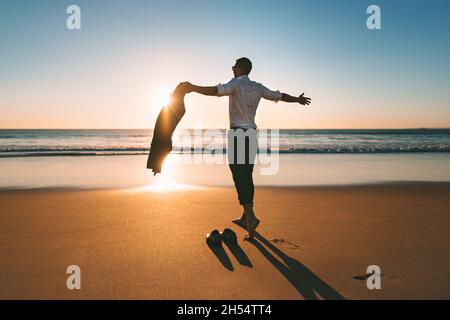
x=160 y=96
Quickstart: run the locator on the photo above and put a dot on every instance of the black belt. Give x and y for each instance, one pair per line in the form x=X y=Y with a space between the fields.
x=245 y=129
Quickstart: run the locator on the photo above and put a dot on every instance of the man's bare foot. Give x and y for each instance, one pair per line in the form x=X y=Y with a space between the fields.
x=242 y=222
x=252 y=224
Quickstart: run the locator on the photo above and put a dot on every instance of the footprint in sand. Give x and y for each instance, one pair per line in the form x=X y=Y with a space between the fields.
x=366 y=276
x=363 y=277
x=282 y=241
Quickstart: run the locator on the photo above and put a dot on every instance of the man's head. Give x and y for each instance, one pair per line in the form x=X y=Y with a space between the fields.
x=243 y=66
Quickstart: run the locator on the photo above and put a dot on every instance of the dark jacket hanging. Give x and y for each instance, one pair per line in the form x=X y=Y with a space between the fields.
x=167 y=121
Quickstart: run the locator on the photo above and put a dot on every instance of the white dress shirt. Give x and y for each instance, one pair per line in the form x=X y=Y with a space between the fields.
x=244 y=95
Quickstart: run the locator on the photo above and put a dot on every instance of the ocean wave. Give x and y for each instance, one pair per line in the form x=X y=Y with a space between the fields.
x=71 y=149
x=51 y=152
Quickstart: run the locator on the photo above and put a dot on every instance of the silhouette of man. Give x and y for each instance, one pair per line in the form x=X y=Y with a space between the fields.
x=244 y=96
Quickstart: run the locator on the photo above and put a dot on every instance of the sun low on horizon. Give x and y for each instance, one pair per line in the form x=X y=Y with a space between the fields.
x=160 y=96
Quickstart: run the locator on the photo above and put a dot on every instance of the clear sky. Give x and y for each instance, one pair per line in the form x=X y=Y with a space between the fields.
x=113 y=72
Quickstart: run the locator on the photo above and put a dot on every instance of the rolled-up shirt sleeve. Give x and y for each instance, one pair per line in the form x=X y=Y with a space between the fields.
x=270 y=94
x=227 y=89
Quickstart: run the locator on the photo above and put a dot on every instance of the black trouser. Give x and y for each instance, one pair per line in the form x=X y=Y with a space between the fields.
x=243 y=172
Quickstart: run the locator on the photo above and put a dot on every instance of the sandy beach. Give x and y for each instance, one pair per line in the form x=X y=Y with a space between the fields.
x=129 y=130
x=312 y=242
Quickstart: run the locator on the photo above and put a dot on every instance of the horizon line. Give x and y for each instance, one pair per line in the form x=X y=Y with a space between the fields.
x=403 y=128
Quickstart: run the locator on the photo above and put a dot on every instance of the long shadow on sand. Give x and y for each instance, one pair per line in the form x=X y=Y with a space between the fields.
x=239 y=254
x=235 y=250
x=222 y=256
x=310 y=286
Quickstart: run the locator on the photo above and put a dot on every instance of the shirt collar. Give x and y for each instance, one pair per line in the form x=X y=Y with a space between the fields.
x=244 y=77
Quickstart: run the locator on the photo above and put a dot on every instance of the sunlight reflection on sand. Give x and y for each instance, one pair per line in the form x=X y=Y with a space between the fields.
x=165 y=183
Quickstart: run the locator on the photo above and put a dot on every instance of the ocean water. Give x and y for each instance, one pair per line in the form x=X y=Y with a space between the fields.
x=117 y=159
x=37 y=143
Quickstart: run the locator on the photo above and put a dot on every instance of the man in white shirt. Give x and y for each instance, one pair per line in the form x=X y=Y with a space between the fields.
x=244 y=96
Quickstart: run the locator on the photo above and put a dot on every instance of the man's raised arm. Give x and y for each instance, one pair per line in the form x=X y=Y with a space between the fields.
x=300 y=99
x=207 y=91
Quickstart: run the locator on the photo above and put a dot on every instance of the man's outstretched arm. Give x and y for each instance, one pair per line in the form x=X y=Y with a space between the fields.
x=207 y=91
x=300 y=99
